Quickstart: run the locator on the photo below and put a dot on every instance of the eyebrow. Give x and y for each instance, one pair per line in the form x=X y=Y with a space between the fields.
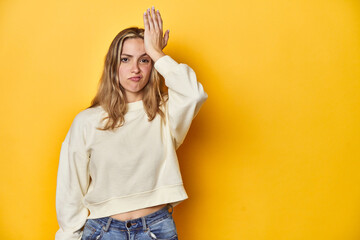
x=144 y=54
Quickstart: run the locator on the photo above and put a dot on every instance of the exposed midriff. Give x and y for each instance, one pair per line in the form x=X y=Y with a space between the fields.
x=137 y=213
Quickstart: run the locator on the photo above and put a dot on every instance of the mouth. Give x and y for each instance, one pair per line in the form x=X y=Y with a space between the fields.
x=135 y=79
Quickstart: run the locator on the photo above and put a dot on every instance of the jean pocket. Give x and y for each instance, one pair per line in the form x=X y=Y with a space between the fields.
x=164 y=229
x=92 y=230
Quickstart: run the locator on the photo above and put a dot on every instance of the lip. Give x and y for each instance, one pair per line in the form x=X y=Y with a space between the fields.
x=135 y=78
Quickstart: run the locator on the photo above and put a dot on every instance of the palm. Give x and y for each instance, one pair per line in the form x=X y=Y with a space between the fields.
x=154 y=40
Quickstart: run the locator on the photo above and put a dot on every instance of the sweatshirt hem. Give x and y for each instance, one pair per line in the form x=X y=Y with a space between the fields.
x=170 y=194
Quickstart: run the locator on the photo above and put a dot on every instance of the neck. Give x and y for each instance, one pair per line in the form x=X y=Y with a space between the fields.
x=133 y=98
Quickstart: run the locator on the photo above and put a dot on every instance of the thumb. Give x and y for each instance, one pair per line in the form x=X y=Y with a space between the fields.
x=166 y=37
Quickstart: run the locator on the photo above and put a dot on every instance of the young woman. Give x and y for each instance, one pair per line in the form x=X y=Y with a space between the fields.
x=118 y=175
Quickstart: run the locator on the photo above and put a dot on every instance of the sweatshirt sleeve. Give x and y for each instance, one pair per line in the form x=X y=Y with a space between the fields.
x=186 y=96
x=72 y=183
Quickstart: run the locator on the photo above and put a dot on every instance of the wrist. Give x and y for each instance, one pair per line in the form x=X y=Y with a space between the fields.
x=156 y=55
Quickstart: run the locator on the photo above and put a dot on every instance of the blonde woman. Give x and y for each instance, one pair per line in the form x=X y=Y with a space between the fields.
x=118 y=175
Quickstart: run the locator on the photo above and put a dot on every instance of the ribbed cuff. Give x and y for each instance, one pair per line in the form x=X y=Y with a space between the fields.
x=165 y=64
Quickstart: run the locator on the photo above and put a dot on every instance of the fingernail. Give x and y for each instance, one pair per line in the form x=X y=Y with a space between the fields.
x=153 y=7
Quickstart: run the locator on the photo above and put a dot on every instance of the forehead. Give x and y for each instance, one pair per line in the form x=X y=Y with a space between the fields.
x=133 y=46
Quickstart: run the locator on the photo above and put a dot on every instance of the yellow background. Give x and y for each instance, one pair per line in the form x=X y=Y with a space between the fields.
x=273 y=154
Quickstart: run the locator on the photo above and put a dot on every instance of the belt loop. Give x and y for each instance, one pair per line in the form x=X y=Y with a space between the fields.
x=143 y=223
x=108 y=224
x=172 y=208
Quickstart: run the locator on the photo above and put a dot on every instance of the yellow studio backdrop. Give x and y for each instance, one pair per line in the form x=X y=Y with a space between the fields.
x=273 y=154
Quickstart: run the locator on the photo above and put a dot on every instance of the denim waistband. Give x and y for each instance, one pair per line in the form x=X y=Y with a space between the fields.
x=137 y=223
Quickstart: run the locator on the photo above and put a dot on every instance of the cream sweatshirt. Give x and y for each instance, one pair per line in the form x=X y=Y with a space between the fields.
x=102 y=173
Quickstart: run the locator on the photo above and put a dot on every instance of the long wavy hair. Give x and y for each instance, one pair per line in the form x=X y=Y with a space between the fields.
x=111 y=95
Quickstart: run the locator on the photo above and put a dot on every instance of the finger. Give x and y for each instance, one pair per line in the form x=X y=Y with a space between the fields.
x=160 y=22
x=146 y=23
x=151 y=25
x=154 y=18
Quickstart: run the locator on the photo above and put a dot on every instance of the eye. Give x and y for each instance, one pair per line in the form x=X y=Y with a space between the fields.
x=124 y=59
x=144 y=60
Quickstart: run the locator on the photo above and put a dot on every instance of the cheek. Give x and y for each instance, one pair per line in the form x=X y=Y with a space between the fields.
x=123 y=71
x=147 y=71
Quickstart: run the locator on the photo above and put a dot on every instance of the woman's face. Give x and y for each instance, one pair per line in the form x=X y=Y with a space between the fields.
x=135 y=68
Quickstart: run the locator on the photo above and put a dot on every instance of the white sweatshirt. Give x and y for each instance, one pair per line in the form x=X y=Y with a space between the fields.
x=102 y=173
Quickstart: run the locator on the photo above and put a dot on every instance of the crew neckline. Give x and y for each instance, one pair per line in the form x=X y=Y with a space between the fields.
x=135 y=105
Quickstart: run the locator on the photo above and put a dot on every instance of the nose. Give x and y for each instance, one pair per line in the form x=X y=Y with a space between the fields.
x=135 y=68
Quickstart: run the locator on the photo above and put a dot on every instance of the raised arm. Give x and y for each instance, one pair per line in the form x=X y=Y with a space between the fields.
x=186 y=94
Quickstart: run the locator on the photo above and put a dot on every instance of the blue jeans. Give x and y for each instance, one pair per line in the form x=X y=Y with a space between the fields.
x=158 y=225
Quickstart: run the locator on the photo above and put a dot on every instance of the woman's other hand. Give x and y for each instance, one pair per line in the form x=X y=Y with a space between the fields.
x=154 y=41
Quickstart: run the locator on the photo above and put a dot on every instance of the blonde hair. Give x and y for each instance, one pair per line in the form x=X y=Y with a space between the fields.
x=111 y=95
